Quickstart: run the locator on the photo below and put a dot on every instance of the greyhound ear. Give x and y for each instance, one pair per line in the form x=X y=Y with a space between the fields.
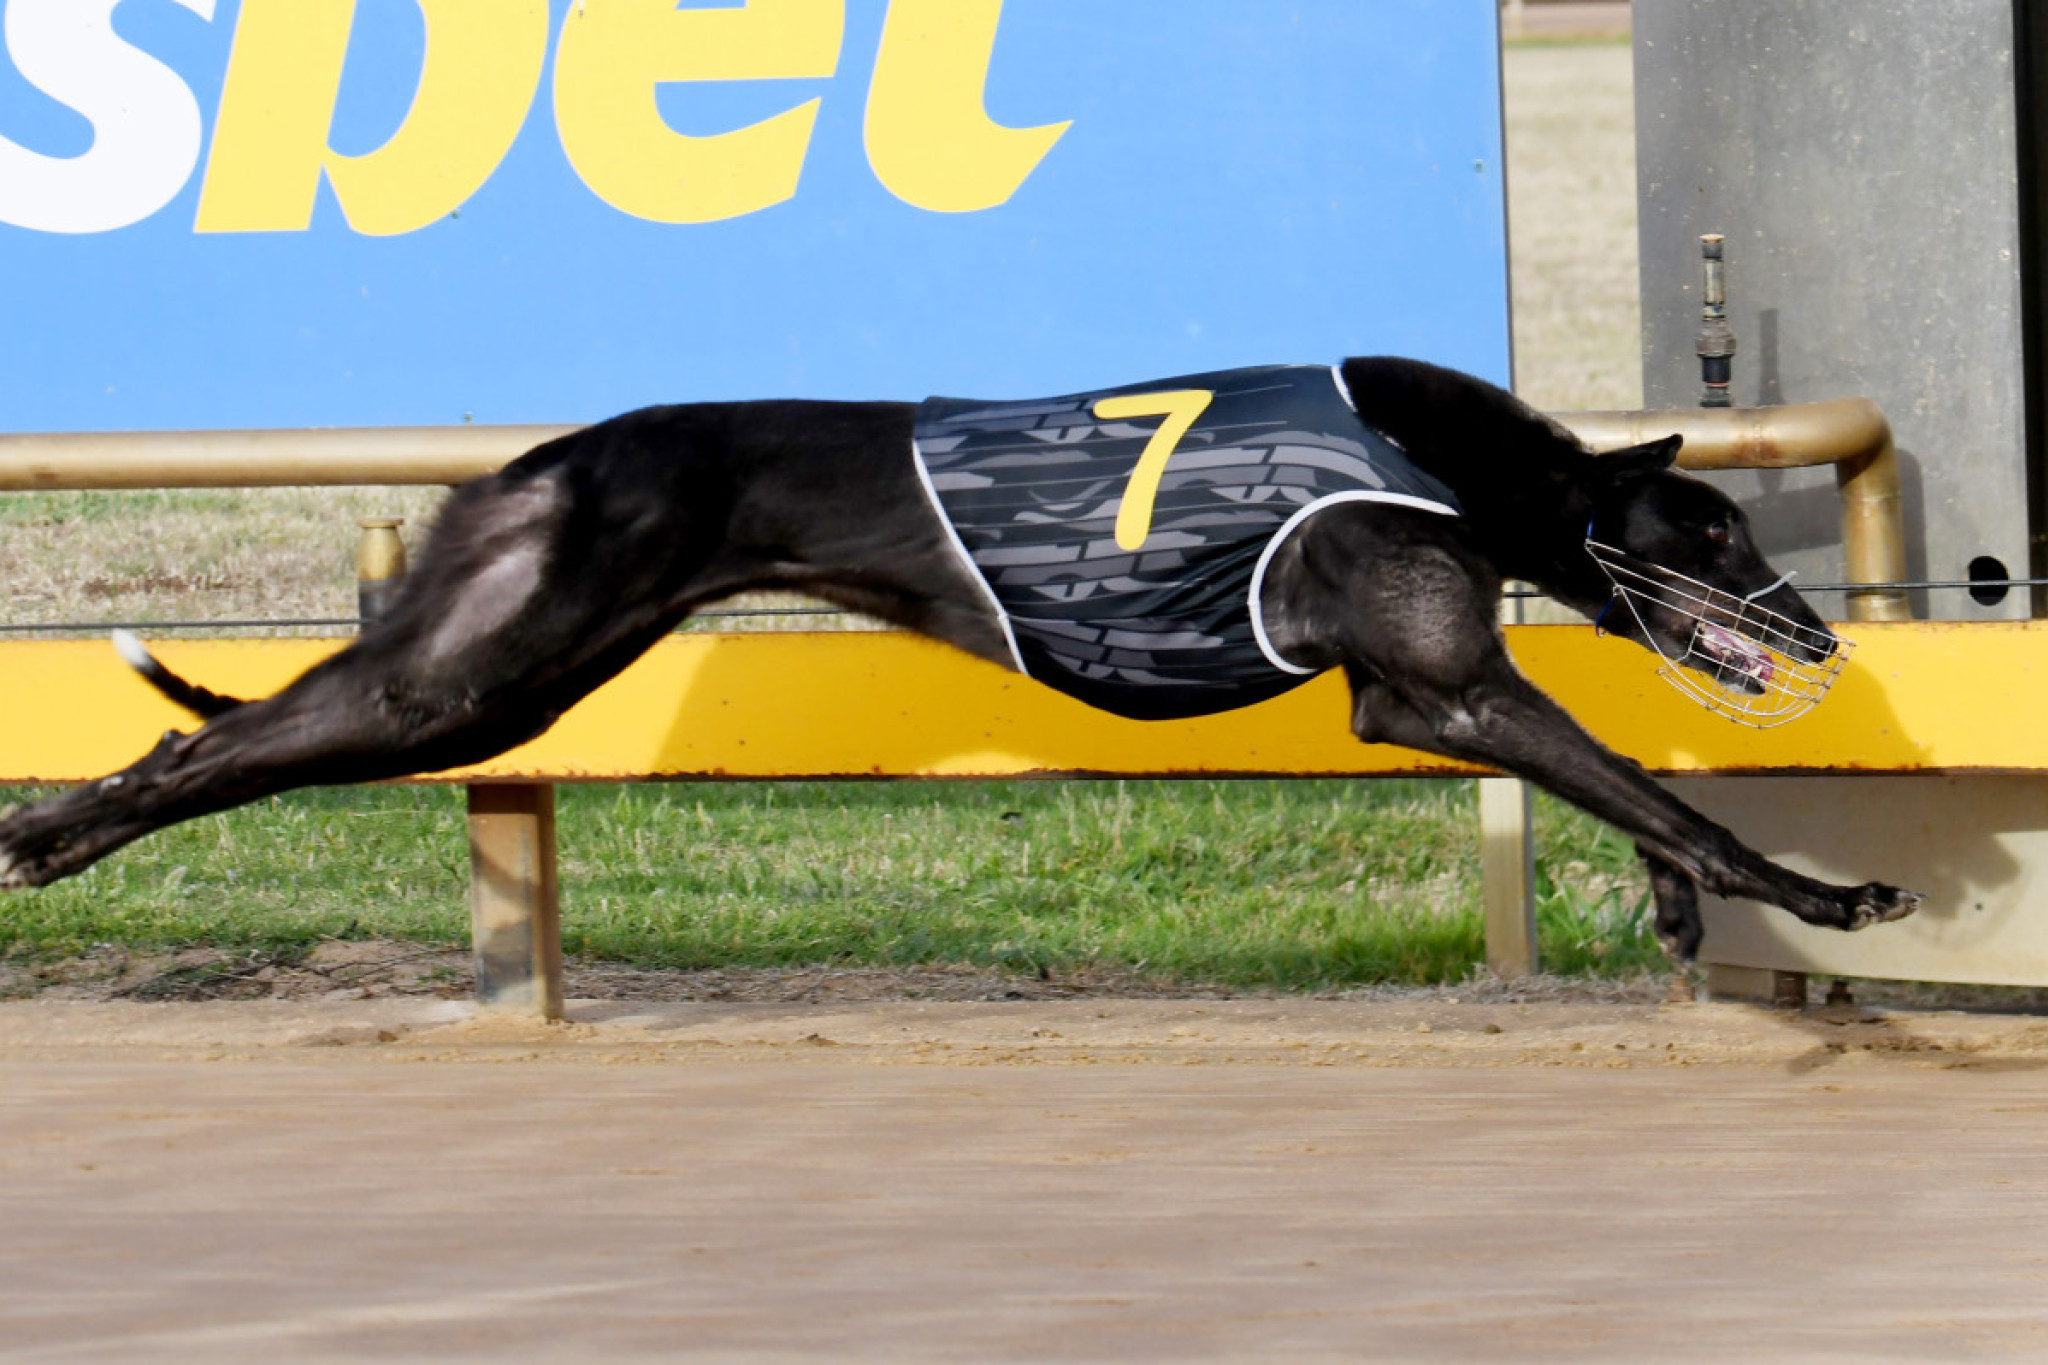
x=1632 y=462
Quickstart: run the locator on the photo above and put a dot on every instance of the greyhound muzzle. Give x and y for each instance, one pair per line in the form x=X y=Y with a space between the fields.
x=1753 y=665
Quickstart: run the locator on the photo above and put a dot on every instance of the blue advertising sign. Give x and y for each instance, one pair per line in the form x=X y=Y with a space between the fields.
x=250 y=213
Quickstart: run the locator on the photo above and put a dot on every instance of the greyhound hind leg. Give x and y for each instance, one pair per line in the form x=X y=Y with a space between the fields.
x=354 y=718
x=485 y=648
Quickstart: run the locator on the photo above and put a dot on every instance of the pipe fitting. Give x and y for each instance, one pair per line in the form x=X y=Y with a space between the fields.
x=380 y=566
x=1717 y=342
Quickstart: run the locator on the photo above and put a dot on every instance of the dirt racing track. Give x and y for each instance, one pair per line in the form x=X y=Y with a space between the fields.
x=1079 y=1180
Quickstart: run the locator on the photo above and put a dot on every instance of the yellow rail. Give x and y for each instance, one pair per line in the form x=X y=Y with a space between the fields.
x=1916 y=697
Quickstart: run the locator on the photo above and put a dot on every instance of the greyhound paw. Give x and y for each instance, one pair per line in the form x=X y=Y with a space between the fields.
x=1681 y=951
x=1877 y=903
x=22 y=873
x=24 y=860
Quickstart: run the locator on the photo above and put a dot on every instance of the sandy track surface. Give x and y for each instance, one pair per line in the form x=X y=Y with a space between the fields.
x=401 y=1179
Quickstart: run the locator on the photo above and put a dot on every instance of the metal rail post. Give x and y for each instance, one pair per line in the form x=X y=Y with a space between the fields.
x=515 y=912
x=1507 y=861
x=514 y=901
x=380 y=565
x=1507 y=876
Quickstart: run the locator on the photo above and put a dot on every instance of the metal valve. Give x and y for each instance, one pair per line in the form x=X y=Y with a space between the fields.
x=1717 y=342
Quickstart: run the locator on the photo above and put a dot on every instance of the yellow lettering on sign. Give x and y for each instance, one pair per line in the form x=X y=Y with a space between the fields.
x=270 y=141
x=1179 y=408
x=929 y=136
x=612 y=55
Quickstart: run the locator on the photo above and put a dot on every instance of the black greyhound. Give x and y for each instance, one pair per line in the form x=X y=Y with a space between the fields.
x=548 y=577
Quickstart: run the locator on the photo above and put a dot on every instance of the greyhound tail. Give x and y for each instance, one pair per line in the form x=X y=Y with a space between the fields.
x=200 y=702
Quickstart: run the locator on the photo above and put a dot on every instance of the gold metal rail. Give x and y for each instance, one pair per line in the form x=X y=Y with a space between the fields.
x=1849 y=433
x=262 y=459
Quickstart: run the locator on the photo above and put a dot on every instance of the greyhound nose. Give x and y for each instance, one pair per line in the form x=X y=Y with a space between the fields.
x=1799 y=635
x=1815 y=651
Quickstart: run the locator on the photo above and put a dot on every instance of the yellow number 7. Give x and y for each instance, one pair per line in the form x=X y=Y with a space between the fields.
x=1180 y=408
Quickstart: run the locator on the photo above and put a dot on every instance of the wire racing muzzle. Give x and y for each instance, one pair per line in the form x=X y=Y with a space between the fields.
x=1753 y=665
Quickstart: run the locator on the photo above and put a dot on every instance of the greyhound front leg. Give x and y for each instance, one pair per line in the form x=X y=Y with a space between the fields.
x=1508 y=724
x=1678 y=925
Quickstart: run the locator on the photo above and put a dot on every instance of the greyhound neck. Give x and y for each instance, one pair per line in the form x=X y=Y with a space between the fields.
x=1530 y=522
x=1521 y=479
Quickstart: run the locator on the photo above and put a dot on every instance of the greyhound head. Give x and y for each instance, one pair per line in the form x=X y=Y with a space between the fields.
x=1689 y=583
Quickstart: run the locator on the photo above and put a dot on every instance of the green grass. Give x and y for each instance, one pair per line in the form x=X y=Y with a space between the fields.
x=90 y=507
x=1284 y=885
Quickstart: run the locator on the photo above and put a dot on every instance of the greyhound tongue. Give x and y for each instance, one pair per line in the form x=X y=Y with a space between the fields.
x=1730 y=650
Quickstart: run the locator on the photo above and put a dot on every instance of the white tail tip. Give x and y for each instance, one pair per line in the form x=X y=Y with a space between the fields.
x=133 y=651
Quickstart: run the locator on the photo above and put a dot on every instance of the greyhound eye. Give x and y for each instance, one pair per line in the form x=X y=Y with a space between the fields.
x=1718 y=532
